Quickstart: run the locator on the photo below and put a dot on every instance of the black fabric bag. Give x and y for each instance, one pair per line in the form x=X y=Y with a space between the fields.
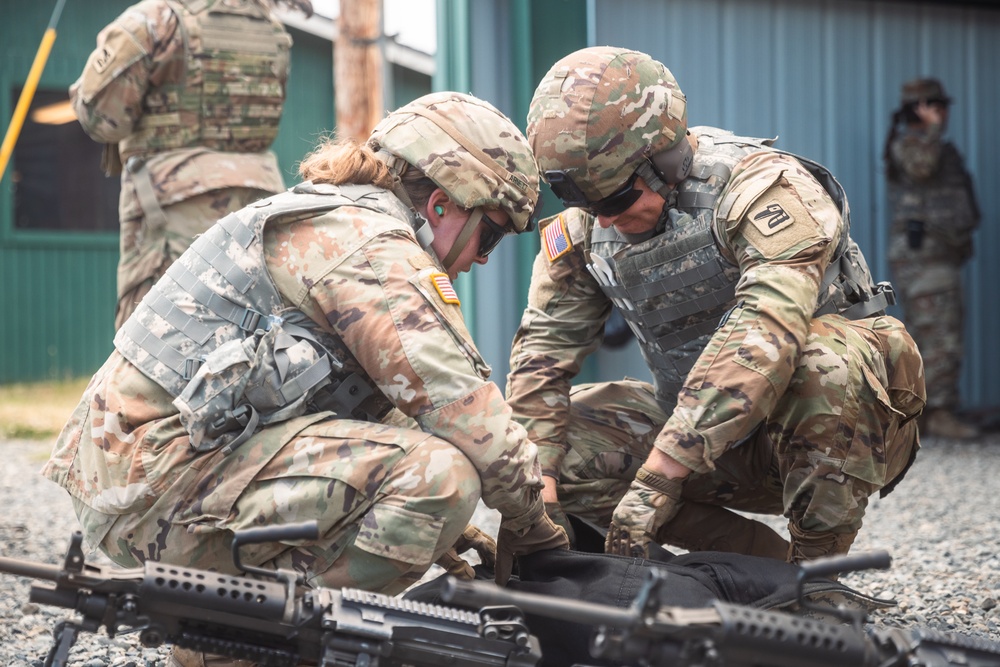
x=693 y=580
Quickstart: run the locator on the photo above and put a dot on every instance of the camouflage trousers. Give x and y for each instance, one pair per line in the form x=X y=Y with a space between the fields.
x=389 y=502
x=842 y=431
x=931 y=296
x=146 y=251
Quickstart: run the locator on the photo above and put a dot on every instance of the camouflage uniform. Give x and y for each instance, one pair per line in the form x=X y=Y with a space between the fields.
x=188 y=95
x=392 y=480
x=783 y=405
x=934 y=214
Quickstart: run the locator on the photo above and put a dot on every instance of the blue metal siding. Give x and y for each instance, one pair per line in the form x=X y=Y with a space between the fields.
x=825 y=76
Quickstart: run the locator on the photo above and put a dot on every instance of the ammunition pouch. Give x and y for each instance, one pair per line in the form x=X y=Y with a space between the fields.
x=243 y=385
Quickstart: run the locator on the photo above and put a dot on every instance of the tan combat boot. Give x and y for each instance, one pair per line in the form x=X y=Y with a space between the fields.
x=942 y=423
x=182 y=657
x=807 y=545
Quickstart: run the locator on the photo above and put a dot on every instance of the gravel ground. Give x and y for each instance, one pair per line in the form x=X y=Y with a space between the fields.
x=942 y=527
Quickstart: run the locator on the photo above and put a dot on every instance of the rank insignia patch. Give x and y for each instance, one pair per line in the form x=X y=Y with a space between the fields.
x=442 y=283
x=555 y=240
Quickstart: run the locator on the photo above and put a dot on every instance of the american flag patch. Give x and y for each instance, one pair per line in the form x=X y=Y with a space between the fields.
x=442 y=283
x=555 y=240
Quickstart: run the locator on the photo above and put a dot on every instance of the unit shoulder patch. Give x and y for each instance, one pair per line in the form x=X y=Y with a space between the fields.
x=555 y=239
x=770 y=218
x=778 y=223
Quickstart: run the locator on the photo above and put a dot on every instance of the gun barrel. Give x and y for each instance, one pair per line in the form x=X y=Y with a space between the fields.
x=483 y=594
x=24 y=568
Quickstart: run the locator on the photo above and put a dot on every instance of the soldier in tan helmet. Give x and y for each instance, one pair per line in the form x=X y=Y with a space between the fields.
x=186 y=95
x=934 y=214
x=779 y=386
x=307 y=358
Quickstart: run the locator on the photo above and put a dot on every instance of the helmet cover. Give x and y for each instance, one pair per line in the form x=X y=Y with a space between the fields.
x=599 y=112
x=468 y=148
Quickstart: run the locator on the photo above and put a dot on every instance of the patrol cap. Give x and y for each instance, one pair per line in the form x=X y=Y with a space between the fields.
x=469 y=149
x=926 y=90
x=601 y=111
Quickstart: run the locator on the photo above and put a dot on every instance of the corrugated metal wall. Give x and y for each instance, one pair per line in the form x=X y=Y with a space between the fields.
x=825 y=77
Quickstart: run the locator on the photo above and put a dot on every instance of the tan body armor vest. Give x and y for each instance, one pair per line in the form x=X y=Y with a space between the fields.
x=235 y=63
x=215 y=333
x=674 y=288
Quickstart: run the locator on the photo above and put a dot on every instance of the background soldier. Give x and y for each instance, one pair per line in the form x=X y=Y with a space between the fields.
x=307 y=358
x=779 y=385
x=188 y=95
x=934 y=213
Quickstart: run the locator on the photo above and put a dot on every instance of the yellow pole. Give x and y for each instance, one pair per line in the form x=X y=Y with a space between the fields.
x=28 y=92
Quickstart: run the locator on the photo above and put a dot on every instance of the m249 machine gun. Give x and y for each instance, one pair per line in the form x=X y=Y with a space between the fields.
x=270 y=618
x=648 y=634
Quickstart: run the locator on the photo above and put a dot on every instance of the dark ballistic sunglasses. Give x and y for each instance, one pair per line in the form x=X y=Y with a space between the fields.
x=570 y=195
x=490 y=237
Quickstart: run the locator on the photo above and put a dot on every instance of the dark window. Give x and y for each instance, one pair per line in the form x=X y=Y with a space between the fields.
x=57 y=177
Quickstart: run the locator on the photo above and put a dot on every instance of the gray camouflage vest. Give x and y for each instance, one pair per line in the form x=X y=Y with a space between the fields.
x=216 y=334
x=675 y=288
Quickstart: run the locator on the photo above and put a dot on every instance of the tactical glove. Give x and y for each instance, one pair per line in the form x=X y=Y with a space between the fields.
x=543 y=534
x=558 y=516
x=651 y=501
x=475 y=539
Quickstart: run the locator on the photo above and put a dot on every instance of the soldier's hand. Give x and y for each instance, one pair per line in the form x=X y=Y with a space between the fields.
x=558 y=516
x=651 y=501
x=475 y=539
x=543 y=534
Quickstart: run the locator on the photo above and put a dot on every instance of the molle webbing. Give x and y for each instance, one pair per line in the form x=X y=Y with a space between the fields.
x=709 y=271
x=231 y=92
x=224 y=294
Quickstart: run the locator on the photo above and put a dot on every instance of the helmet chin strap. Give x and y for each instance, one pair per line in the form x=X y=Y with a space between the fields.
x=421 y=226
x=463 y=238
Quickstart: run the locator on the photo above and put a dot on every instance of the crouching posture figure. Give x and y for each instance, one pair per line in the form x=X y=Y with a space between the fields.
x=779 y=385
x=306 y=359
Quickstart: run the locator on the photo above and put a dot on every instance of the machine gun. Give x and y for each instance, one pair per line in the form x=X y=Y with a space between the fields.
x=648 y=634
x=270 y=618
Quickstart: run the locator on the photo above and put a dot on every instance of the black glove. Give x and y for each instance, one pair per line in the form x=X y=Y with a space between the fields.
x=543 y=534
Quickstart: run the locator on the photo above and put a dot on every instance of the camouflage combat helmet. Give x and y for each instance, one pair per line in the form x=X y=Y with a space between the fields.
x=926 y=90
x=602 y=113
x=468 y=148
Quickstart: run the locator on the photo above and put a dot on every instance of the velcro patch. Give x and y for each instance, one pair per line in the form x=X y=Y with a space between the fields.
x=770 y=218
x=555 y=240
x=779 y=222
x=442 y=283
x=103 y=59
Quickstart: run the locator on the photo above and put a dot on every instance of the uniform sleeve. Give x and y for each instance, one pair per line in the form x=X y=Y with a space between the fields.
x=108 y=96
x=562 y=324
x=918 y=153
x=778 y=224
x=394 y=310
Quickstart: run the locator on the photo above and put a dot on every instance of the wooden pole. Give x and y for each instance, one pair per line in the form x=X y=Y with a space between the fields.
x=358 y=68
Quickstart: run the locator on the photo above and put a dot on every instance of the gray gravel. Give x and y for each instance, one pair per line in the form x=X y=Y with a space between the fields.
x=942 y=526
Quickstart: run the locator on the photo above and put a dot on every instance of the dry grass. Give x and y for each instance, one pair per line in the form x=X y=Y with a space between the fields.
x=38 y=410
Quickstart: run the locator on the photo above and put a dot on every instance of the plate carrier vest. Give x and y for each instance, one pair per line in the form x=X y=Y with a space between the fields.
x=676 y=288
x=216 y=334
x=230 y=98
